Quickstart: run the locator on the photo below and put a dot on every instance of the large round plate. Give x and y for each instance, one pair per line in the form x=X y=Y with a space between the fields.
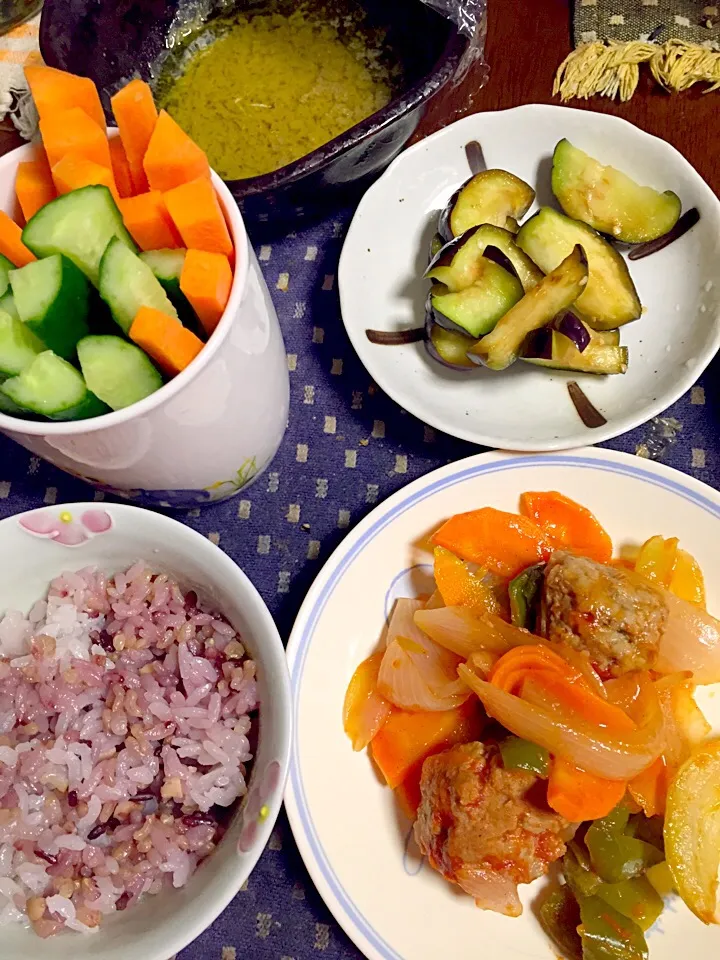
x=524 y=407
x=350 y=834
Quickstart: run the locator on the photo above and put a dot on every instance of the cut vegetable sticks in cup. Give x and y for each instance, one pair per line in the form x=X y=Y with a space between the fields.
x=136 y=115
x=198 y=216
x=172 y=158
x=72 y=131
x=34 y=185
x=206 y=281
x=54 y=90
x=171 y=345
x=73 y=172
x=120 y=168
x=11 y=245
x=149 y=223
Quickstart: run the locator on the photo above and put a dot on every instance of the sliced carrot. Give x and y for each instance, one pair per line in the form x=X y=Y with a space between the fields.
x=503 y=542
x=460 y=587
x=568 y=523
x=11 y=245
x=136 y=115
x=650 y=787
x=409 y=794
x=407 y=739
x=34 y=185
x=120 y=167
x=579 y=700
x=198 y=216
x=73 y=131
x=206 y=280
x=55 y=90
x=577 y=795
x=513 y=667
x=166 y=341
x=73 y=172
x=172 y=158
x=149 y=223
x=364 y=710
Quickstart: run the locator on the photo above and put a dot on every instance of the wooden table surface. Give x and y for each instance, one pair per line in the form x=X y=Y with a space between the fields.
x=526 y=42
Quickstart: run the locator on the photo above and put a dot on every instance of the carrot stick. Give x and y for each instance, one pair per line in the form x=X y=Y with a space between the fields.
x=172 y=158
x=197 y=214
x=120 y=167
x=73 y=172
x=55 y=90
x=409 y=794
x=577 y=795
x=166 y=341
x=568 y=523
x=206 y=280
x=34 y=186
x=650 y=787
x=514 y=666
x=503 y=542
x=136 y=115
x=72 y=131
x=407 y=739
x=148 y=221
x=11 y=245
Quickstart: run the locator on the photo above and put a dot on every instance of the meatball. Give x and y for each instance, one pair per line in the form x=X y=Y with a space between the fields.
x=487 y=828
x=615 y=615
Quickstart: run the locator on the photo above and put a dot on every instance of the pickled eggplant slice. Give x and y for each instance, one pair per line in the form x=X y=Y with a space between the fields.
x=491 y=196
x=455 y=264
x=555 y=293
x=447 y=347
x=610 y=299
x=436 y=245
x=608 y=200
x=550 y=348
x=477 y=308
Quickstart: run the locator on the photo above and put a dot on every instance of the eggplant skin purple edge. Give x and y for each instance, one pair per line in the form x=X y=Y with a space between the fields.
x=430 y=322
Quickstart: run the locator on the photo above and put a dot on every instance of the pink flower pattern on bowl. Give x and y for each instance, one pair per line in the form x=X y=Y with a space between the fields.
x=62 y=527
x=256 y=807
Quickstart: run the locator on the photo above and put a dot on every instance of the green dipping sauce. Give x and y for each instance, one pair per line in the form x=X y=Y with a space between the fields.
x=264 y=89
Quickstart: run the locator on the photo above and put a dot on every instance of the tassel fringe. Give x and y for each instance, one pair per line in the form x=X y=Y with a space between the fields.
x=612 y=69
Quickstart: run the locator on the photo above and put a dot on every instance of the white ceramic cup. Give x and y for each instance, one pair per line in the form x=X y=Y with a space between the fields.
x=208 y=432
x=112 y=537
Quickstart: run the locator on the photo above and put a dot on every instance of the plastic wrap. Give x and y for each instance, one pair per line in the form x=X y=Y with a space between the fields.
x=470 y=16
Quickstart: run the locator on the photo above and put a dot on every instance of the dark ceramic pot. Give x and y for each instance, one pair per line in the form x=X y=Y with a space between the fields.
x=114 y=40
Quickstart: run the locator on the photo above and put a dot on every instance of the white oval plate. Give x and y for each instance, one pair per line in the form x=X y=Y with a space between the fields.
x=347 y=825
x=526 y=408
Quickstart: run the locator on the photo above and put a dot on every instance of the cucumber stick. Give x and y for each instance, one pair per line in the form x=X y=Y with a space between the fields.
x=18 y=346
x=127 y=283
x=51 y=297
x=7 y=304
x=117 y=372
x=53 y=388
x=80 y=224
x=167 y=266
x=5 y=267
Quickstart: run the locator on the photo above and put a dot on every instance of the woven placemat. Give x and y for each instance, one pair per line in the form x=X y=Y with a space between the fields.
x=678 y=42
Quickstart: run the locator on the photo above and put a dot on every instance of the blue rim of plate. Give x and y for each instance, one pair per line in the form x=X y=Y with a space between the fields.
x=352 y=921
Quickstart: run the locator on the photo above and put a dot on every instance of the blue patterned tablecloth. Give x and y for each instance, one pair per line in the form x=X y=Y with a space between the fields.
x=347 y=447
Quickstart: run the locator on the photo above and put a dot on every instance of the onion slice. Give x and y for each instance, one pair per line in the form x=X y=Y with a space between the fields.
x=615 y=757
x=690 y=641
x=415 y=673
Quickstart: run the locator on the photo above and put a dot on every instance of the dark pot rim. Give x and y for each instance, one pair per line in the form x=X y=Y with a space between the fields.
x=421 y=92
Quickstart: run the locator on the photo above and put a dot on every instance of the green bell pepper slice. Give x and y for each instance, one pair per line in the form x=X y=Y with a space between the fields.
x=524 y=593
x=519 y=754
x=560 y=918
x=578 y=875
x=635 y=899
x=614 y=855
x=607 y=934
